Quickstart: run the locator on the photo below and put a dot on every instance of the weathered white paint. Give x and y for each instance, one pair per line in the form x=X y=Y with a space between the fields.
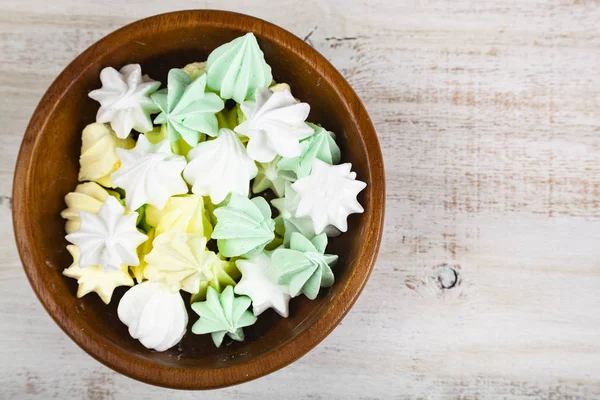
x=487 y=113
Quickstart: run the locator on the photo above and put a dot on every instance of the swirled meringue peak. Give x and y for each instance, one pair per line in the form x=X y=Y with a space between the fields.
x=287 y=223
x=109 y=238
x=180 y=260
x=125 y=99
x=328 y=195
x=244 y=226
x=236 y=69
x=149 y=174
x=186 y=109
x=274 y=125
x=321 y=145
x=223 y=314
x=154 y=314
x=220 y=166
x=304 y=267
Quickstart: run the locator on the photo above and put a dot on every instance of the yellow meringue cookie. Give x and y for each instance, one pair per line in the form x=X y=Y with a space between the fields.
x=181 y=261
x=98 y=156
x=279 y=87
x=224 y=273
x=143 y=250
x=88 y=197
x=195 y=69
x=94 y=279
x=182 y=148
x=229 y=118
x=157 y=135
x=185 y=213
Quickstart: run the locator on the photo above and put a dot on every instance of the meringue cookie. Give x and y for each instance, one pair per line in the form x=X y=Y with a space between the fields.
x=236 y=69
x=95 y=279
x=258 y=282
x=229 y=119
x=143 y=250
x=287 y=223
x=244 y=226
x=328 y=195
x=180 y=260
x=186 y=109
x=195 y=69
x=270 y=176
x=280 y=87
x=157 y=135
x=223 y=314
x=304 y=267
x=125 y=99
x=150 y=174
x=88 y=197
x=109 y=238
x=224 y=273
x=274 y=125
x=98 y=156
x=155 y=315
x=321 y=145
x=181 y=214
x=220 y=166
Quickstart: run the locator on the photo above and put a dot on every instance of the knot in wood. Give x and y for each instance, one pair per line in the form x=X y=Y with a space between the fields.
x=447 y=277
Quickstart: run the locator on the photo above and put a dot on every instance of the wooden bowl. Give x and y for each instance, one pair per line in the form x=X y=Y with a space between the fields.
x=47 y=170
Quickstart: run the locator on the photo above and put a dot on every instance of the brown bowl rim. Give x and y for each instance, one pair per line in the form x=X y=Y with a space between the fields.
x=186 y=378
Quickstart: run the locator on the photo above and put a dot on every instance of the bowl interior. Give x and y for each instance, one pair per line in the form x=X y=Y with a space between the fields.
x=52 y=173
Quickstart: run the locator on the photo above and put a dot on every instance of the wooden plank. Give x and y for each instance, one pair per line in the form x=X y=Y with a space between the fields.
x=487 y=113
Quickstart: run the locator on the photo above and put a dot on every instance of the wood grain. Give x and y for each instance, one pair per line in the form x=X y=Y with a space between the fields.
x=487 y=116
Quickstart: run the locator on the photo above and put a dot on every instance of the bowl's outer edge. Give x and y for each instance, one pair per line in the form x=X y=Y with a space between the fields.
x=267 y=363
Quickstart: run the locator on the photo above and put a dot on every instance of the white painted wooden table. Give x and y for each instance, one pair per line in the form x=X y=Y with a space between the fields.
x=488 y=116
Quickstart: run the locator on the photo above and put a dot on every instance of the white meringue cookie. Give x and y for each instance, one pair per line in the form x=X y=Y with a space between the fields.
x=154 y=314
x=328 y=195
x=287 y=207
x=220 y=166
x=94 y=279
x=258 y=282
x=149 y=174
x=125 y=99
x=109 y=238
x=275 y=125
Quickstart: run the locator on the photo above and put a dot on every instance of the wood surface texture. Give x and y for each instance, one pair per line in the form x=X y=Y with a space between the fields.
x=488 y=279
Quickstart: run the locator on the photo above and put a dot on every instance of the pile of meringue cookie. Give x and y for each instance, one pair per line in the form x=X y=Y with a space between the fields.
x=164 y=202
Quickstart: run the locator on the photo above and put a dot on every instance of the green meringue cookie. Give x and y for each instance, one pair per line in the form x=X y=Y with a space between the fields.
x=236 y=69
x=186 y=109
x=223 y=314
x=304 y=267
x=320 y=145
x=244 y=226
